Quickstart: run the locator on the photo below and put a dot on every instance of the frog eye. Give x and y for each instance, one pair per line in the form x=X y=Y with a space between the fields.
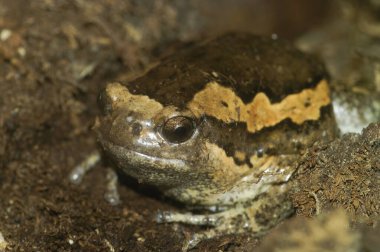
x=178 y=129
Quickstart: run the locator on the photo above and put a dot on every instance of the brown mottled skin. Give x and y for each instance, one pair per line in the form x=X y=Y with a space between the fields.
x=248 y=64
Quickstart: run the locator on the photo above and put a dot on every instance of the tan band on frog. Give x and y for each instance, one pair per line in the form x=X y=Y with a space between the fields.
x=121 y=97
x=222 y=103
x=225 y=171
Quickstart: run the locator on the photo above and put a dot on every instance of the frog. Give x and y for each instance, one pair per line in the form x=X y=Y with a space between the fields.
x=218 y=127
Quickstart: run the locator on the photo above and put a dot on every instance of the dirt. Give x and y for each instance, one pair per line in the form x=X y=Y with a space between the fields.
x=55 y=57
x=329 y=231
x=344 y=173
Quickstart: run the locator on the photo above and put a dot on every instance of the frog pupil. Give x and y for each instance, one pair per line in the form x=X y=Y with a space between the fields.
x=178 y=129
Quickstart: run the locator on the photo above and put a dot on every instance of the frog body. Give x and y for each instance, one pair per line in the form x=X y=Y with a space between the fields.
x=219 y=127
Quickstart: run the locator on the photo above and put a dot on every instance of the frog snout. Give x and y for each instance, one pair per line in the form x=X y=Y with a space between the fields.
x=130 y=130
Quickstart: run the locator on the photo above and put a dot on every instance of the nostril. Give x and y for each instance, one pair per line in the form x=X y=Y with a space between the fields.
x=136 y=129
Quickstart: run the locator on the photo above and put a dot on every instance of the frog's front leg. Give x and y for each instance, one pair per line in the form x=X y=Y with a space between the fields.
x=188 y=218
x=257 y=218
x=219 y=223
x=112 y=194
x=77 y=174
x=222 y=223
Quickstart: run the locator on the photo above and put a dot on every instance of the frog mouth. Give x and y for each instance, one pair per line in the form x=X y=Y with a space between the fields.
x=127 y=156
x=168 y=161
